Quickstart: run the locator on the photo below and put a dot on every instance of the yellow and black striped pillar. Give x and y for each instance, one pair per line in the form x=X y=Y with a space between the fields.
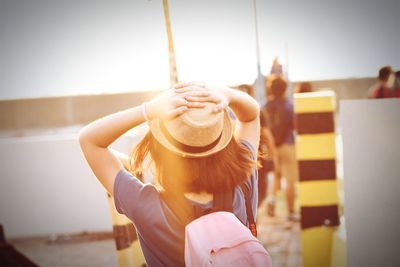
x=129 y=252
x=316 y=155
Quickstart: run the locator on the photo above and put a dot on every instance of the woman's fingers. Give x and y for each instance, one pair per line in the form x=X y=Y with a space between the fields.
x=170 y=104
x=192 y=89
x=195 y=95
x=220 y=106
x=198 y=98
x=176 y=112
x=208 y=98
x=220 y=103
x=186 y=84
x=183 y=101
x=190 y=104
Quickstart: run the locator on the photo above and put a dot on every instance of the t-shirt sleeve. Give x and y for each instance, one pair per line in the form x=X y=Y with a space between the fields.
x=290 y=116
x=252 y=182
x=130 y=193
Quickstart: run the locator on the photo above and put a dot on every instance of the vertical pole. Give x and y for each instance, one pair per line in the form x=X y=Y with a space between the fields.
x=173 y=74
x=260 y=81
x=287 y=62
x=286 y=72
x=257 y=37
x=318 y=195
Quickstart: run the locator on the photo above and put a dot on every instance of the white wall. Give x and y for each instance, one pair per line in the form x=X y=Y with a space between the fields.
x=47 y=188
x=371 y=169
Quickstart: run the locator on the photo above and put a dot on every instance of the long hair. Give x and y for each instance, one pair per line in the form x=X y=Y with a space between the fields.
x=215 y=173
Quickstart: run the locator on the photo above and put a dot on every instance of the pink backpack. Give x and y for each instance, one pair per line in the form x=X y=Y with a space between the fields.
x=219 y=238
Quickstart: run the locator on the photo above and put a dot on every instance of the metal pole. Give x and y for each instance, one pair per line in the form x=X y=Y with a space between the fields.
x=257 y=38
x=260 y=81
x=173 y=74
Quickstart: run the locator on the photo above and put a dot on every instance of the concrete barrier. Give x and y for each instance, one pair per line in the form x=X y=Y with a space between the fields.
x=46 y=187
x=371 y=169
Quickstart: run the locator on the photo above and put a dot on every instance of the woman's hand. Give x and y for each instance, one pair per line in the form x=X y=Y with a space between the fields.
x=171 y=103
x=195 y=92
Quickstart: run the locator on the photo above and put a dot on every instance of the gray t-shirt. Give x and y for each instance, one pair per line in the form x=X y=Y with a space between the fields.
x=160 y=233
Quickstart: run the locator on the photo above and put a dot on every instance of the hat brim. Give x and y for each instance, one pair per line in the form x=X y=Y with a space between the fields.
x=226 y=136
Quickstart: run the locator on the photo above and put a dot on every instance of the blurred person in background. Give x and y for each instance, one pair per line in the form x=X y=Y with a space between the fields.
x=269 y=163
x=383 y=87
x=396 y=84
x=279 y=115
x=303 y=87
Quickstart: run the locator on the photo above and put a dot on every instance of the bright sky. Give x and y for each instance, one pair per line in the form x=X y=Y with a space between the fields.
x=51 y=48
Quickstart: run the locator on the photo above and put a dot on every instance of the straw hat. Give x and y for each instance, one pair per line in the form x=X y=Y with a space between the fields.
x=198 y=132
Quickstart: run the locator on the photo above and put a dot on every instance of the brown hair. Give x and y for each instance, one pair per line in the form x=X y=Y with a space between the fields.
x=215 y=173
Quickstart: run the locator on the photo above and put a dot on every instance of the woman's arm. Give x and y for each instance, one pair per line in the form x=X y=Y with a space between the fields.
x=96 y=137
x=247 y=111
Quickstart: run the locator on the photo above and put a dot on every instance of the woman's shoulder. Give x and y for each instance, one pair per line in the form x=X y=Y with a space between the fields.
x=126 y=184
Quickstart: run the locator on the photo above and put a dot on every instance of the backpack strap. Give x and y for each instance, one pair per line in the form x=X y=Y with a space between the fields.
x=249 y=209
x=187 y=212
x=179 y=206
x=223 y=201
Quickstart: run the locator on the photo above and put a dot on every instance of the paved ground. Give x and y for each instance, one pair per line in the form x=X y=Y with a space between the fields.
x=280 y=237
x=100 y=253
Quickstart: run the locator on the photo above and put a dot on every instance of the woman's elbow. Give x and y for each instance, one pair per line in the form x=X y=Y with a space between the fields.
x=82 y=138
x=254 y=114
x=255 y=111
